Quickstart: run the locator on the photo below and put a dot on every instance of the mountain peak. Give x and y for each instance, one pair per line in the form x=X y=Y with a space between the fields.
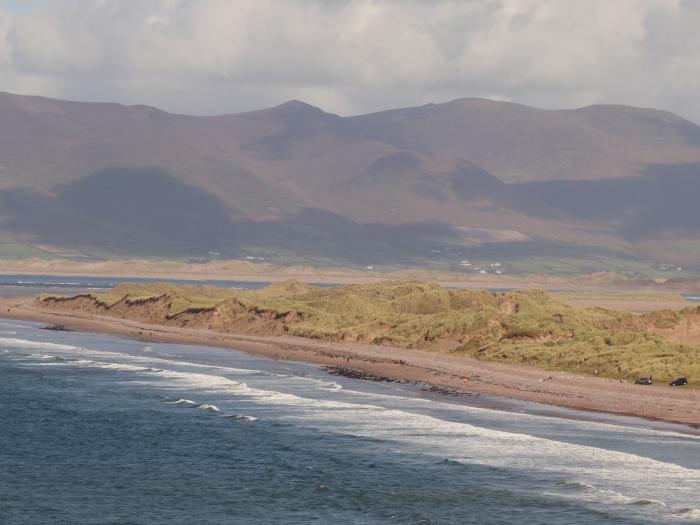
x=297 y=108
x=297 y=105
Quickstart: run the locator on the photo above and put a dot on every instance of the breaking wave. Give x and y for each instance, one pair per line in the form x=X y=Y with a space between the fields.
x=611 y=477
x=240 y=417
x=183 y=402
x=24 y=343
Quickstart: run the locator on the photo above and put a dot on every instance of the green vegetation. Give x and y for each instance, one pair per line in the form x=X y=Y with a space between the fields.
x=523 y=327
x=10 y=249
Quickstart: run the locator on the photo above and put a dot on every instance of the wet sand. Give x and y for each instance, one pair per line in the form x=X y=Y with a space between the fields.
x=446 y=372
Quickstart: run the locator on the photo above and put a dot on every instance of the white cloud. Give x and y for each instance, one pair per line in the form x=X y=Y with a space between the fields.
x=214 y=56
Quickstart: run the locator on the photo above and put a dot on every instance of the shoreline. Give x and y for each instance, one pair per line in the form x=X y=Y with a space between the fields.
x=250 y=273
x=616 y=297
x=443 y=371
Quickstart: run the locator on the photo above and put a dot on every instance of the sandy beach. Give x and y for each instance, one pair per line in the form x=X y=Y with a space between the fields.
x=442 y=371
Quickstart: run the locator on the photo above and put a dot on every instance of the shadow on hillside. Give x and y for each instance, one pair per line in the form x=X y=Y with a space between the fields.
x=148 y=212
x=662 y=200
x=131 y=211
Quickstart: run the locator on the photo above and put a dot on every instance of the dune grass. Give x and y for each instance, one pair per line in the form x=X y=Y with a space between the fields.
x=530 y=327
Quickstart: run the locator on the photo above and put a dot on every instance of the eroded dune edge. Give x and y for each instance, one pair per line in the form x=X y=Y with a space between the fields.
x=527 y=345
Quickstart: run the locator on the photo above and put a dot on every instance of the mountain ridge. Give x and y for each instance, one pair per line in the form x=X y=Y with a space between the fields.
x=468 y=163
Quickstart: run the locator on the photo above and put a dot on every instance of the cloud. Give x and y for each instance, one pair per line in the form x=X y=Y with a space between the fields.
x=216 y=56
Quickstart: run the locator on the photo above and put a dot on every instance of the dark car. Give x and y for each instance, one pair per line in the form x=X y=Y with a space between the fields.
x=679 y=381
x=644 y=381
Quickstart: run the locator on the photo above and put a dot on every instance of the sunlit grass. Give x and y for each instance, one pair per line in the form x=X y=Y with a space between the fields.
x=523 y=327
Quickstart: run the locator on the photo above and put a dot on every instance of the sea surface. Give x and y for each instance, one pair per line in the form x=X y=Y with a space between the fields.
x=98 y=429
x=14 y=284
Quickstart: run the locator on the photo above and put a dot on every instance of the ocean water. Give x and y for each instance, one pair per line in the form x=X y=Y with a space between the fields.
x=97 y=429
x=13 y=284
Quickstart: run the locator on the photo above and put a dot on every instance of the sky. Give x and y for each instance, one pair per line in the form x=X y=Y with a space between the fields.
x=356 y=56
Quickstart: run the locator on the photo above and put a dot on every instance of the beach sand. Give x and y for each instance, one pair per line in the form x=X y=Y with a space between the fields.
x=444 y=372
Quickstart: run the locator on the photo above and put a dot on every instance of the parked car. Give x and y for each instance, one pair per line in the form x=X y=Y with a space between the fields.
x=679 y=381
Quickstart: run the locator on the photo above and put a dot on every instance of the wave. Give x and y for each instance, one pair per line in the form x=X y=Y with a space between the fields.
x=25 y=343
x=624 y=478
x=46 y=358
x=576 y=485
x=240 y=417
x=601 y=496
x=322 y=383
x=644 y=502
x=112 y=366
x=57 y=360
x=163 y=361
x=629 y=479
x=50 y=284
x=194 y=404
x=688 y=513
x=183 y=402
x=86 y=352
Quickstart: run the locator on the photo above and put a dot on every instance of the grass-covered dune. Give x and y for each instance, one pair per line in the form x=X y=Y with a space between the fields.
x=524 y=327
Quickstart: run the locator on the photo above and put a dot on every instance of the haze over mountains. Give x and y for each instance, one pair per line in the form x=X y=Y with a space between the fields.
x=486 y=179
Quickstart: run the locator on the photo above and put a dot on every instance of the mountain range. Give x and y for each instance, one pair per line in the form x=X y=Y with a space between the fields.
x=600 y=187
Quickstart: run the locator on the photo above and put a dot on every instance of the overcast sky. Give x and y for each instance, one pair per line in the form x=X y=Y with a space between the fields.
x=220 y=56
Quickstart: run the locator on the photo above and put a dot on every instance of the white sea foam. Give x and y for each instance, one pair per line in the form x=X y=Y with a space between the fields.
x=612 y=477
x=100 y=354
x=104 y=354
x=240 y=417
x=183 y=402
x=24 y=343
x=593 y=493
x=576 y=485
x=59 y=361
x=112 y=366
x=306 y=380
x=40 y=356
x=629 y=479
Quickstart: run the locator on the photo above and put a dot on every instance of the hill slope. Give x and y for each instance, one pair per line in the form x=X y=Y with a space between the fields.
x=395 y=185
